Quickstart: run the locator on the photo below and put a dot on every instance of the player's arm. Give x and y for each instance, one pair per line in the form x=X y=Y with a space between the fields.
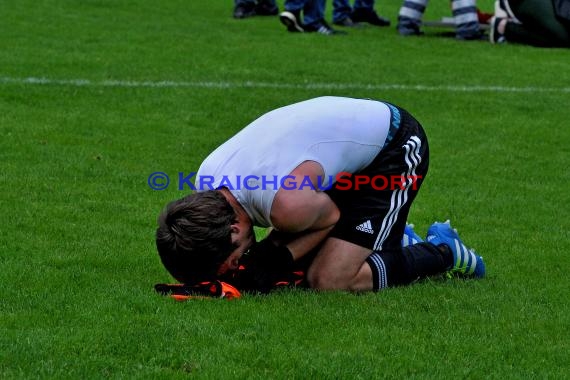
x=302 y=217
x=304 y=210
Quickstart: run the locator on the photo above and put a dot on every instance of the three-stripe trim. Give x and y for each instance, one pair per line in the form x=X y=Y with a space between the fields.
x=379 y=264
x=400 y=196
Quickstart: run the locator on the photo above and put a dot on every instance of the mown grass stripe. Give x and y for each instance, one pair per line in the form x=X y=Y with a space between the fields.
x=298 y=86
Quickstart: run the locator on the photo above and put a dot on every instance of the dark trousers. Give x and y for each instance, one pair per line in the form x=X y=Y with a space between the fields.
x=252 y=2
x=540 y=25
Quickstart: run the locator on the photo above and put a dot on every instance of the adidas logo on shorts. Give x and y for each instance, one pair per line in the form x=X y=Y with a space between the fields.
x=365 y=227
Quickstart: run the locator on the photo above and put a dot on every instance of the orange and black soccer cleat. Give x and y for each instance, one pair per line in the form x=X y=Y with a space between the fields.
x=294 y=279
x=202 y=290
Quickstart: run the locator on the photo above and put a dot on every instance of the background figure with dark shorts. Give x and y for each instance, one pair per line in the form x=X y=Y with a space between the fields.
x=334 y=177
x=541 y=23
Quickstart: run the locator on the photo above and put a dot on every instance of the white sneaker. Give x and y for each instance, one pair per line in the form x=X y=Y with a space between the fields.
x=494 y=36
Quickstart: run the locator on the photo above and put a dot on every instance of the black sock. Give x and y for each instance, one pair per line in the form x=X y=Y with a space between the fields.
x=411 y=263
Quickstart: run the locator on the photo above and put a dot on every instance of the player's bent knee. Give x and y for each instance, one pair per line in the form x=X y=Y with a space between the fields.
x=324 y=280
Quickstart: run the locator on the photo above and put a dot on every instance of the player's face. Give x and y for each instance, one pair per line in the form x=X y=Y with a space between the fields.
x=243 y=238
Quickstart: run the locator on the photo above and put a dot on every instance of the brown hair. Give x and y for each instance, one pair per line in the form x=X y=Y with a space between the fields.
x=194 y=236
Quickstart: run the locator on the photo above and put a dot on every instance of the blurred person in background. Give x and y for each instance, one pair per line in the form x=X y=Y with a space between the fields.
x=542 y=23
x=464 y=12
x=250 y=8
x=363 y=11
x=313 y=19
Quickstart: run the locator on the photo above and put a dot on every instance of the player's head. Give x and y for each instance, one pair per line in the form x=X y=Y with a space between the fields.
x=194 y=236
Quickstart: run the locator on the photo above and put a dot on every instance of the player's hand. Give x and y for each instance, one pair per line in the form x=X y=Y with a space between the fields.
x=264 y=265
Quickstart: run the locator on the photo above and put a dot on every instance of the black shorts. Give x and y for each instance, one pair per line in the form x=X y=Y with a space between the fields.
x=374 y=203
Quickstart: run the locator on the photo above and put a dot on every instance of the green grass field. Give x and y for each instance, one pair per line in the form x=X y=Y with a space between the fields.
x=97 y=94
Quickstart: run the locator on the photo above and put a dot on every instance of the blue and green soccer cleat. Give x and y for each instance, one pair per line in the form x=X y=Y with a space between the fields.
x=410 y=236
x=465 y=260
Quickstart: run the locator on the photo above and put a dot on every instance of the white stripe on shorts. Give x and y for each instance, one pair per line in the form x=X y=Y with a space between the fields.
x=400 y=196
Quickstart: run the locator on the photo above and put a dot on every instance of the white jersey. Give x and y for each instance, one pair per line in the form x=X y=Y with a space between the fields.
x=341 y=134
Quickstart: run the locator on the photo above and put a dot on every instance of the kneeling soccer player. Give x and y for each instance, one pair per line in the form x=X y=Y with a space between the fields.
x=335 y=177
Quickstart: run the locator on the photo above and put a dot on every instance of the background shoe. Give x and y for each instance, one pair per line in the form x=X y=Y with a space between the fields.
x=291 y=21
x=347 y=23
x=409 y=29
x=244 y=11
x=266 y=9
x=494 y=36
x=465 y=260
x=323 y=28
x=410 y=236
x=369 y=16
